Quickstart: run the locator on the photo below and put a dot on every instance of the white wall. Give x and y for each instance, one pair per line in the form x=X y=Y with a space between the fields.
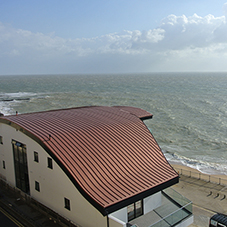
x=7 y=153
x=152 y=202
x=121 y=215
x=54 y=184
x=114 y=222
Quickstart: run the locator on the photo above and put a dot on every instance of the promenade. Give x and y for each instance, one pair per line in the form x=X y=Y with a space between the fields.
x=205 y=191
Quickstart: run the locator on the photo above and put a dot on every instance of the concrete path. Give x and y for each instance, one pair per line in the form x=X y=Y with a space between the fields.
x=208 y=198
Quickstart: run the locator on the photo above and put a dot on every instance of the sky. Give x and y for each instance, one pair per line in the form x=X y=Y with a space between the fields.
x=114 y=36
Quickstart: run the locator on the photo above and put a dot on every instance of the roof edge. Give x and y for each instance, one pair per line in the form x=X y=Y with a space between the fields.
x=141 y=196
x=138 y=112
x=146 y=118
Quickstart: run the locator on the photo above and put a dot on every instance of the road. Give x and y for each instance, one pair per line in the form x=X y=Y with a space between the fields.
x=7 y=220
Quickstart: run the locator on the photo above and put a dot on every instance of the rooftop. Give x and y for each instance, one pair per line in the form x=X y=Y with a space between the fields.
x=107 y=152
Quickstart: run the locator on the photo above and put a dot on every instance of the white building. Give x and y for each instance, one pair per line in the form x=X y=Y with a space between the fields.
x=96 y=166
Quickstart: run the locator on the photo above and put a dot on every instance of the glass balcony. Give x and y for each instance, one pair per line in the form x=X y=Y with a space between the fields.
x=174 y=209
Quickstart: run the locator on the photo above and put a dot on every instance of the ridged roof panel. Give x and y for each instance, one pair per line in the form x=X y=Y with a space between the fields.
x=107 y=152
x=140 y=113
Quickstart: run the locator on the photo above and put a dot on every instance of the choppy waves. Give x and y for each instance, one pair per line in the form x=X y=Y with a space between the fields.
x=190 y=111
x=10 y=102
x=209 y=166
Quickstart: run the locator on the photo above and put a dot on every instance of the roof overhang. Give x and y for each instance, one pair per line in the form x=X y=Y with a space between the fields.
x=108 y=141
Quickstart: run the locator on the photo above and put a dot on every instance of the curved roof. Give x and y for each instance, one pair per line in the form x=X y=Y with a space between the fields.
x=107 y=152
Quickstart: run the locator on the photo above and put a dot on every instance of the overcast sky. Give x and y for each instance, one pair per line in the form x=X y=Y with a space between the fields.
x=112 y=36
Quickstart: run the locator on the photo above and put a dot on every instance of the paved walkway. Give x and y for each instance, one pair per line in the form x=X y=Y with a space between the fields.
x=26 y=212
x=208 y=198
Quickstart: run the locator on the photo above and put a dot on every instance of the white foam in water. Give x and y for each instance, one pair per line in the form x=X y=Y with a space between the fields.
x=202 y=166
x=5 y=108
x=20 y=94
x=189 y=109
x=9 y=100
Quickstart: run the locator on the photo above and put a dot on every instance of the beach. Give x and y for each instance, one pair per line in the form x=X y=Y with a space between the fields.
x=208 y=193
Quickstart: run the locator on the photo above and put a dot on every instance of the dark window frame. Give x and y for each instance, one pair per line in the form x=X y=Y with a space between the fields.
x=135 y=214
x=4 y=164
x=21 y=166
x=37 y=186
x=1 y=140
x=50 y=163
x=67 y=204
x=36 y=156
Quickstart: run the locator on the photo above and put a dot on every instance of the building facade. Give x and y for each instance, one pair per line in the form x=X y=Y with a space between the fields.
x=95 y=166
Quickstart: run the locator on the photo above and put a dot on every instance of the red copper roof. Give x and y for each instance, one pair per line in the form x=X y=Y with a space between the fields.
x=140 y=113
x=107 y=152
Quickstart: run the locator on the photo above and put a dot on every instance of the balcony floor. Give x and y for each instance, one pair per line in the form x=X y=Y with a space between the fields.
x=158 y=214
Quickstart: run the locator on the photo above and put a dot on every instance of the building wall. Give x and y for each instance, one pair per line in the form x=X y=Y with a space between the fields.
x=115 y=222
x=54 y=184
x=5 y=155
x=120 y=215
x=152 y=202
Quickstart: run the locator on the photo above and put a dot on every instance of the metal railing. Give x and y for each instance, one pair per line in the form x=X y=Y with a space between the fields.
x=201 y=176
x=173 y=218
x=184 y=210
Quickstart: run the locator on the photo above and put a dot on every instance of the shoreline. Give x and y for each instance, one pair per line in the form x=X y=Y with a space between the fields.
x=191 y=172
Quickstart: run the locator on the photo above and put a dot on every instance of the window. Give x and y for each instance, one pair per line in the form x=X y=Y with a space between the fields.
x=36 y=156
x=1 y=141
x=4 y=164
x=67 y=204
x=21 y=166
x=49 y=163
x=135 y=210
x=37 y=188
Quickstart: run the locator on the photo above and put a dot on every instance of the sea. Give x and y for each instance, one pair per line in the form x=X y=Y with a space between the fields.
x=189 y=109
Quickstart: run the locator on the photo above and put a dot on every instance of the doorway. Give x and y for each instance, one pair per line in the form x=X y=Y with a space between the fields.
x=21 y=166
x=135 y=210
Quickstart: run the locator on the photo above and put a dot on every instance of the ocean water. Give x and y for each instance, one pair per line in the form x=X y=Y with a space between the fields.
x=189 y=109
